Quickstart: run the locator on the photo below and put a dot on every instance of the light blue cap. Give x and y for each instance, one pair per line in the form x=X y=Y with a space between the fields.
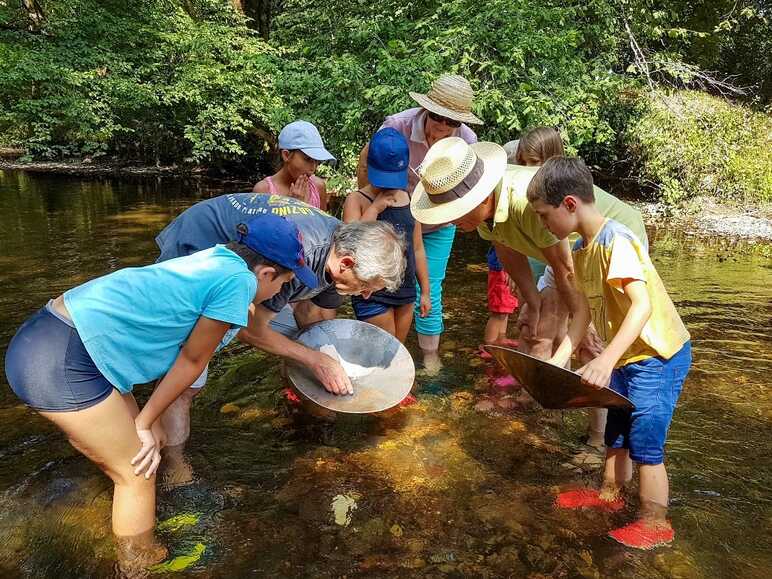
x=304 y=136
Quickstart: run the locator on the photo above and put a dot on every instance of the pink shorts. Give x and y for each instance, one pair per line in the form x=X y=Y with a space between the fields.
x=500 y=299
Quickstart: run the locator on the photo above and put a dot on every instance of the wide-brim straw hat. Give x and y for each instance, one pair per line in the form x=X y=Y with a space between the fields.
x=454 y=178
x=451 y=97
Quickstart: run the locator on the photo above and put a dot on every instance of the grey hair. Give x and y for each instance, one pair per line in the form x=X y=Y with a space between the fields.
x=378 y=251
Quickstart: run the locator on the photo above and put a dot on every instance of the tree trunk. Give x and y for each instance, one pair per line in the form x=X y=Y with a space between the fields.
x=261 y=12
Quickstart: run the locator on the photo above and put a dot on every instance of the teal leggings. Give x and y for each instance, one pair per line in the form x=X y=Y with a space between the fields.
x=437 y=245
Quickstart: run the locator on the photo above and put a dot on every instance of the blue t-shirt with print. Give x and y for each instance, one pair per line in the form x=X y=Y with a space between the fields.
x=215 y=220
x=134 y=321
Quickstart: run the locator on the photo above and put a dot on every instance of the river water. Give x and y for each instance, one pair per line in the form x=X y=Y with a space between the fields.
x=436 y=489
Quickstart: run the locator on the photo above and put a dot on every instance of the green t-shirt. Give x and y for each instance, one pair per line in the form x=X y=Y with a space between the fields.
x=517 y=226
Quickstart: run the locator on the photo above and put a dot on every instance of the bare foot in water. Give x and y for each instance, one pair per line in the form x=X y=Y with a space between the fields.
x=135 y=554
x=175 y=469
x=432 y=364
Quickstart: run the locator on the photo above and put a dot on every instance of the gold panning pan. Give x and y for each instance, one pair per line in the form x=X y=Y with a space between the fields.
x=380 y=367
x=554 y=387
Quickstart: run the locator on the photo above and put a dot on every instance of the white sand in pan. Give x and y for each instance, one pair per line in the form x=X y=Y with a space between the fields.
x=352 y=370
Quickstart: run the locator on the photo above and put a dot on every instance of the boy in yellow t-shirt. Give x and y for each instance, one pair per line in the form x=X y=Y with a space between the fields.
x=648 y=353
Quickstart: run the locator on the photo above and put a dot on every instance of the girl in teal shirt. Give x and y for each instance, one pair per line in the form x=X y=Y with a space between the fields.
x=77 y=359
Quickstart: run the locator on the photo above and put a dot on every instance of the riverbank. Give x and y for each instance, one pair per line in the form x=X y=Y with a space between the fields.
x=703 y=216
x=700 y=216
x=96 y=169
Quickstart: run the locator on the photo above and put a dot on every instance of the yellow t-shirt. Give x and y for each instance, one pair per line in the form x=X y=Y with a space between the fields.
x=517 y=226
x=613 y=255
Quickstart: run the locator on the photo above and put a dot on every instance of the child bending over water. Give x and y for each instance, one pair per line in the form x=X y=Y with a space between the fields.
x=76 y=360
x=302 y=150
x=648 y=351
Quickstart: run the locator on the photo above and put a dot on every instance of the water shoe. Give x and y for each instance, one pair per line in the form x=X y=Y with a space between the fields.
x=587 y=499
x=643 y=535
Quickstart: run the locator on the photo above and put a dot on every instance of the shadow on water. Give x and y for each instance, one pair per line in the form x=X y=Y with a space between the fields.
x=439 y=488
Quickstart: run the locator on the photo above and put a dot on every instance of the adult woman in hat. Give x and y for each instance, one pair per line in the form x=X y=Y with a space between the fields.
x=444 y=111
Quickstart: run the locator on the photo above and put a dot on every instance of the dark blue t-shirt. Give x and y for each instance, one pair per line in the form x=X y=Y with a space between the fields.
x=214 y=221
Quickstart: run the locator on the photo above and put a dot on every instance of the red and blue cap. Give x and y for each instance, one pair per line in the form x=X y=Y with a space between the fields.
x=279 y=240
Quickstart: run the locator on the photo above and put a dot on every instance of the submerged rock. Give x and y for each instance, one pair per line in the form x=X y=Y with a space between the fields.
x=343 y=506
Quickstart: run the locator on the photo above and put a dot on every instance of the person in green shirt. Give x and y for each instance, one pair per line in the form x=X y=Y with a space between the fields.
x=470 y=185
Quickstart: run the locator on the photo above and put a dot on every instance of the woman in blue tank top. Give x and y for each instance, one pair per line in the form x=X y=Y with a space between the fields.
x=385 y=199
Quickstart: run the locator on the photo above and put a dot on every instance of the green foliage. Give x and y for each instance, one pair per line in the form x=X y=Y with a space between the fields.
x=693 y=144
x=188 y=81
x=348 y=65
x=156 y=81
x=730 y=38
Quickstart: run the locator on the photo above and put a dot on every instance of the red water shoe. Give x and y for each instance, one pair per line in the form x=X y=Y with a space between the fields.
x=643 y=535
x=505 y=382
x=408 y=400
x=587 y=499
x=290 y=396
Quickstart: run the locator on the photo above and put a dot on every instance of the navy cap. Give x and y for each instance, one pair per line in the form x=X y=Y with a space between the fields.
x=304 y=136
x=278 y=239
x=388 y=159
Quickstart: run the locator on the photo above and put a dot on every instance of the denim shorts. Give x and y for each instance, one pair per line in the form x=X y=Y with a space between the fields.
x=48 y=367
x=653 y=385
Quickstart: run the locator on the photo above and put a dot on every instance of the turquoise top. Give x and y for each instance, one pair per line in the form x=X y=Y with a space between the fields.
x=134 y=321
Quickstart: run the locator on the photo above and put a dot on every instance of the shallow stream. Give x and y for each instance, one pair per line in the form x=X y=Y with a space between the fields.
x=437 y=489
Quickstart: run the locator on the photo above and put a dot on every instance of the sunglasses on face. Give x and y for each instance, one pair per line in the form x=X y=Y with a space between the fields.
x=444 y=120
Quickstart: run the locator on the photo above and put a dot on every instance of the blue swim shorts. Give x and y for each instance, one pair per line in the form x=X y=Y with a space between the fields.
x=48 y=366
x=365 y=309
x=654 y=386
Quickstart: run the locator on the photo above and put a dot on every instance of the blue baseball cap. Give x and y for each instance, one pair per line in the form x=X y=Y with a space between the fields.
x=388 y=160
x=304 y=136
x=278 y=239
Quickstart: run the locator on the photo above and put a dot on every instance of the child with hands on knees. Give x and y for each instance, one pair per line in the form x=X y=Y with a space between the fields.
x=385 y=199
x=77 y=359
x=302 y=150
x=648 y=351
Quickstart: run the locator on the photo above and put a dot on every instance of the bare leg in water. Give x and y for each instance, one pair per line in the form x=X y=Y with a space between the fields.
x=175 y=469
x=105 y=433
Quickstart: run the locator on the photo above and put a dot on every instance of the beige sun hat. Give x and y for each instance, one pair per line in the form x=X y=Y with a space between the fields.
x=450 y=96
x=454 y=178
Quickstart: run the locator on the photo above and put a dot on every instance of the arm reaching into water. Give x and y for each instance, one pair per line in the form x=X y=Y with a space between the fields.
x=190 y=363
x=559 y=258
x=422 y=271
x=519 y=270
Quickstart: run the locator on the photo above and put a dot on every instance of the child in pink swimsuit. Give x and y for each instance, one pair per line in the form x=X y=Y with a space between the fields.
x=302 y=150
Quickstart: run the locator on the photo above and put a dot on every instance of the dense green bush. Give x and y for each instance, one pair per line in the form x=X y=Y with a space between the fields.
x=530 y=63
x=689 y=143
x=189 y=82
x=156 y=81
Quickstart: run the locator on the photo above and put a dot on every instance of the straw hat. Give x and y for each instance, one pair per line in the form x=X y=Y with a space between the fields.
x=450 y=96
x=454 y=178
